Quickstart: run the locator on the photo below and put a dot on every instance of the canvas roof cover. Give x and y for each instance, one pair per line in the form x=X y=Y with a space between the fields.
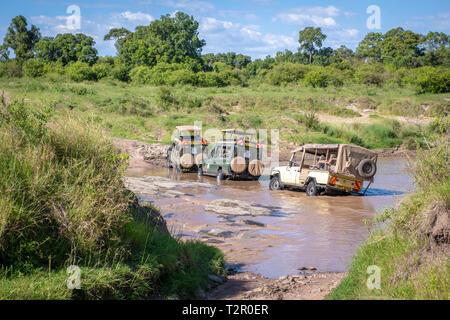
x=188 y=128
x=321 y=148
x=349 y=158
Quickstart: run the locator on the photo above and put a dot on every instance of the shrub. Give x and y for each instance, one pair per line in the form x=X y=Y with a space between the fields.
x=434 y=80
x=165 y=98
x=182 y=76
x=311 y=120
x=121 y=72
x=371 y=74
x=101 y=70
x=210 y=79
x=316 y=79
x=11 y=69
x=141 y=75
x=80 y=71
x=335 y=76
x=34 y=68
x=286 y=73
x=54 y=67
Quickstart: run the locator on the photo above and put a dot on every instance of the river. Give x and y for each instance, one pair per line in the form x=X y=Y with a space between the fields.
x=296 y=231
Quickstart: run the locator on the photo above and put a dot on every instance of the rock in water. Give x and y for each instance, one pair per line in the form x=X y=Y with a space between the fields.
x=236 y=208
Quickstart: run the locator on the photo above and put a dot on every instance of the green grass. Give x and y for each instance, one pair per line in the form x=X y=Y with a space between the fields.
x=412 y=264
x=64 y=203
x=149 y=113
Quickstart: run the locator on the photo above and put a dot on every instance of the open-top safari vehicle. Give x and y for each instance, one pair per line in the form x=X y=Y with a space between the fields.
x=188 y=149
x=332 y=168
x=237 y=156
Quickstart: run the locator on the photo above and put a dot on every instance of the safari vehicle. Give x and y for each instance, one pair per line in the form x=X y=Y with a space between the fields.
x=237 y=156
x=188 y=149
x=326 y=168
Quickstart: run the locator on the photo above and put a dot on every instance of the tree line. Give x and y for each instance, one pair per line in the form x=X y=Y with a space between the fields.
x=169 y=51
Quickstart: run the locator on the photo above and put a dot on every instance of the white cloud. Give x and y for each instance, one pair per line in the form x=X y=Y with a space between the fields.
x=136 y=16
x=439 y=22
x=191 y=6
x=317 y=16
x=51 y=26
x=226 y=36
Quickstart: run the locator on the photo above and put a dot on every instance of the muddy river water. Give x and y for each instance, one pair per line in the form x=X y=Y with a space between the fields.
x=272 y=233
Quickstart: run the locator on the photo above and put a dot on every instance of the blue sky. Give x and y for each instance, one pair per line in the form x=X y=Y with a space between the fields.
x=253 y=27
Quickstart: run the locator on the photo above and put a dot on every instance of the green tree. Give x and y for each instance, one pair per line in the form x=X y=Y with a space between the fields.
x=67 y=48
x=311 y=38
x=172 y=39
x=20 y=39
x=370 y=46
x=341 y=53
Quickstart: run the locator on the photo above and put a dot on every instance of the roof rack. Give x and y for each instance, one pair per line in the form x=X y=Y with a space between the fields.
x=238 y=132
x=188 y=128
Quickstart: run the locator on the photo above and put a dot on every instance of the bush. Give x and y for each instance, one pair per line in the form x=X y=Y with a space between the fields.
x=80 y=71
x=54 y=67
x=181 y=76
x=101 y=70
x=121 y=72
x=165 y=98
x=286 y=73
x=433 y=80
x=34 y=68
x=141 y=75
x=316 y=79
x=210 y=79
x=11 y=69
x=371 y=74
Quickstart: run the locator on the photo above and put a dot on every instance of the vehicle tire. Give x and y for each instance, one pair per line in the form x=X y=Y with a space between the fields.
x=311 y=189
x=275 y=183
x=255 y=167
x=219 y=175
x=187 y=161
x=199 y=158
x=238 y=164
x=367 y=168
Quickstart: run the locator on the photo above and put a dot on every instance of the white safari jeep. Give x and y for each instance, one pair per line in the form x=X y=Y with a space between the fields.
x=321 y=168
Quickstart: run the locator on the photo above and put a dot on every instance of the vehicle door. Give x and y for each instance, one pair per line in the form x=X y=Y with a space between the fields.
x=292 y=171
x=209 y=162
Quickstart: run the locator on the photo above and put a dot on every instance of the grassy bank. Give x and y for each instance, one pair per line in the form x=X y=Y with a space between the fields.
x=412 y=245
x=63 y=203
x=303 y=114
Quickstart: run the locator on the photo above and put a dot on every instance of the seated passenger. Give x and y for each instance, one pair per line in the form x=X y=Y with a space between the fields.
x=332 y=163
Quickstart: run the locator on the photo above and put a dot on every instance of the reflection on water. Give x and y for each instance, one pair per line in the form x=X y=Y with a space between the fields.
x=320 y=232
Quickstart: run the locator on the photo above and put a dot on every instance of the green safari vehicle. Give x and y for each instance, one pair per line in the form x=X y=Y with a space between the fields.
x=237 y=156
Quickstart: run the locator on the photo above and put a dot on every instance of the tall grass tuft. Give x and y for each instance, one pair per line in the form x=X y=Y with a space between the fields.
x=412 y=252
x=63 y=203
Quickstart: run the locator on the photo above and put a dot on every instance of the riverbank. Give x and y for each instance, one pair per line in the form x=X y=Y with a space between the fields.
x=409 y=245
x=251 y=286
x=69 y=229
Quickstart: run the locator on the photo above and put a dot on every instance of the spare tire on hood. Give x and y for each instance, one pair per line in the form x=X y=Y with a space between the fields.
x=367 y=168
